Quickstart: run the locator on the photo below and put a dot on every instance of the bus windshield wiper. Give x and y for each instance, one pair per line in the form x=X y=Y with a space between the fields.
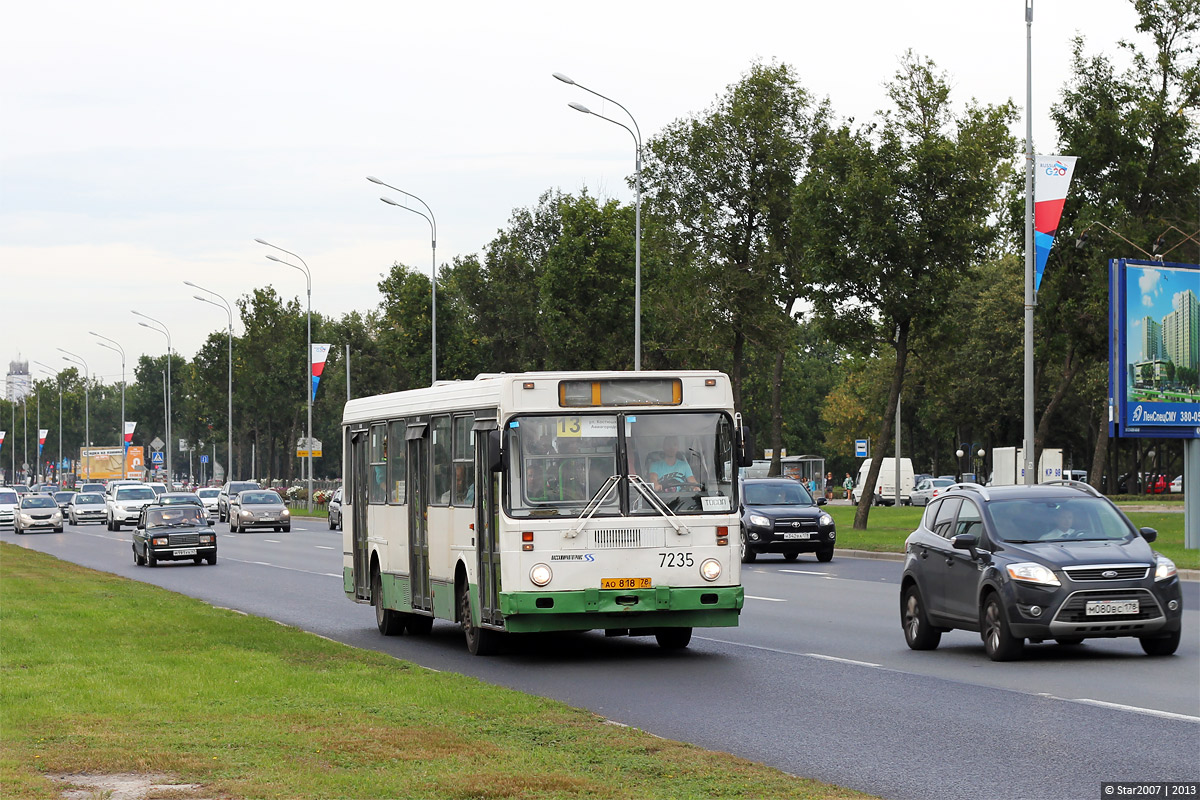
x=593 y=505
x=647 y=492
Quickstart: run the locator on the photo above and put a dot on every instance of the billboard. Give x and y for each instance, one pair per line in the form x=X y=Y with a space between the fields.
x=110 y=463
x=1154 y=349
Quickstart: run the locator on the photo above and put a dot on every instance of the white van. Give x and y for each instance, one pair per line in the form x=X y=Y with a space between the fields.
x=885 y=488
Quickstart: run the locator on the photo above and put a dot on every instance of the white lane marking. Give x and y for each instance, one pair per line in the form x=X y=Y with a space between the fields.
x=1120 y=707
x=768 y=599
x=323 y=547
x=289 y=569
x=272 y=541
x=844 y=660
x=805 y=572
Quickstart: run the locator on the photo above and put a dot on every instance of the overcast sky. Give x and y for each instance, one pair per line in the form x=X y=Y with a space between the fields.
x=148 y=143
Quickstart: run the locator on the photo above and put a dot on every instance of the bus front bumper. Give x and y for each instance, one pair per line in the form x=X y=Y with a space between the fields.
x=589 y=609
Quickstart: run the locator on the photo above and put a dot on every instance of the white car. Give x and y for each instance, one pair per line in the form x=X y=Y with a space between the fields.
x=208 y=496
x=928 y=489
x=1177 y=484
x=8 y=505
x=125 y=504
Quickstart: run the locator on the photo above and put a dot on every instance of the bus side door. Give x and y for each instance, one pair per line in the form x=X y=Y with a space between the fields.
x=487 y=534
x=418 y=519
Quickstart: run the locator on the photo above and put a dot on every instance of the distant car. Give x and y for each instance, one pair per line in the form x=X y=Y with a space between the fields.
x=258 y=508
x=91 y=487
x=63 y=499
x=227 y=492
x=125 y=504
x=173 y=533
x=928 y=489
x=179 y=499
x=158 y=487
x=1051 y=561
x=1157 y=484
x=38 y=511
x=21 y=489
x=780 y=516
x=335 y=510
x=111 y=487
x=1177 y=484
x=86 y=507
x=208 y=496
x=9 y=500
x=44 y=488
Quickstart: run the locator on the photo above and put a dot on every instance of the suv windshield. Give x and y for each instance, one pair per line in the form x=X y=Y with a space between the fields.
x=1058 y=520
x=136 y=493
x=207 y=493
x=8 y=497
x=241 y=486
x=682 y=460
x=776 y=494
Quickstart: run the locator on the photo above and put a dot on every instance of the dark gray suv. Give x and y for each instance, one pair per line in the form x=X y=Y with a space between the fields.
x=1054 y=561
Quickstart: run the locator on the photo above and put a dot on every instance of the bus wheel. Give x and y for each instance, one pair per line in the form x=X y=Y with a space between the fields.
x=673 y=638
x=390 y=623
x=480 y=641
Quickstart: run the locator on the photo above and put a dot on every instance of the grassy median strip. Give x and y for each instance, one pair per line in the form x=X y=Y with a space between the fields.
x=103 y=675
x=888 y=527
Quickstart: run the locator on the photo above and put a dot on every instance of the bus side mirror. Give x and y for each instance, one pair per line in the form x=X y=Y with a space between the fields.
x=497 y=459
x=746 y=449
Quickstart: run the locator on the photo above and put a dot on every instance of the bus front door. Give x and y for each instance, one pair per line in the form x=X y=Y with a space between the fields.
x=418 y=519
x=358 y=514
x=487 y=537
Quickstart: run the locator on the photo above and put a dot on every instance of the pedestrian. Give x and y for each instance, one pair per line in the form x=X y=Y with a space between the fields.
x=848 y=484
x=828 y=485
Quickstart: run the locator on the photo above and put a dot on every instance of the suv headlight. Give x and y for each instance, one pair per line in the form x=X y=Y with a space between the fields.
x=760 y=520
x=1029 y=572
x=1165 y=569
x=825 y=520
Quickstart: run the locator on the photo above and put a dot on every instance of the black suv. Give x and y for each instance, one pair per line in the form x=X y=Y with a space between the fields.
x=780 y=516
x=1054 y=561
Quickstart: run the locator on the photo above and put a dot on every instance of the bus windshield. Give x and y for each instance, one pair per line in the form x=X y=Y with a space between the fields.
x=678 y=460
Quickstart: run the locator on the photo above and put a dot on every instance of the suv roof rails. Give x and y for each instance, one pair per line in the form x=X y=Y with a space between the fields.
x=1087 y=487
x=975 y=486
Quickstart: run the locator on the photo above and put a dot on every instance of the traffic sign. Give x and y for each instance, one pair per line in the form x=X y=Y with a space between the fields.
x=157 y=458
x=203 y=459
x=157 y=444
x=862 y=448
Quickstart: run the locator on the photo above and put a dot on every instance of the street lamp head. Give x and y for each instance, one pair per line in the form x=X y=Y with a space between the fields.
x=373 y=179
x=144 y=325
x=981 y=453
x=959 y=452
x=260 y=241
x=391 y=202
x=564 y=78
x=580 y=107
x=93 y=333
x=201 y=299
x=273 y=258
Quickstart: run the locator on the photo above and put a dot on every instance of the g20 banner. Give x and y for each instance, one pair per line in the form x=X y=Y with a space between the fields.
x=1154 y=374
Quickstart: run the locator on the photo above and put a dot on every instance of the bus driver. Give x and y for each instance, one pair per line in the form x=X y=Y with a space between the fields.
x=670 y=471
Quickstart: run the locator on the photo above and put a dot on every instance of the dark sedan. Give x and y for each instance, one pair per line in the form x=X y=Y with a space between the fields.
x=780 y=516
x=174 y=533
x=258 y=508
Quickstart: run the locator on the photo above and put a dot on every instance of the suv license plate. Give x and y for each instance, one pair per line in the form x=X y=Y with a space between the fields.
x=189 y=552
x=626 y=583
x=796 y=535
x=1097 y=608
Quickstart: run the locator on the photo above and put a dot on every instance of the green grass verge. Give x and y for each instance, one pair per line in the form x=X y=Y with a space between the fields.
x=888 y=527
x=101 y=675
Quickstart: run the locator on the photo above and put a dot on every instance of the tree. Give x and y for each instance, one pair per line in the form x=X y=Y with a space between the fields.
x=892 y=217
x=720 y=186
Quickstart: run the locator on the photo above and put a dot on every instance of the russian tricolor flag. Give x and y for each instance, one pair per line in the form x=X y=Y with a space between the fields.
x=1051 y=179
x=320 y=352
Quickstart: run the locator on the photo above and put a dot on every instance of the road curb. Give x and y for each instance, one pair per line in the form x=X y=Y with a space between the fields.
x=1184 y=574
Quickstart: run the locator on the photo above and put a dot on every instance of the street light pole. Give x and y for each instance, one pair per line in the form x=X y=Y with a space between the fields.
x=163 y=330
x=1030 y=297
x=307 y=357
x=432 y=220
x=229 y=311
x=120 y=350
x=87 y=413
x=637 y=214
x=50 y=370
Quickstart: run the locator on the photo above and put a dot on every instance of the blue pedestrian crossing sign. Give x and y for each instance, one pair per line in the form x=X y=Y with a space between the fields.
x=156 y=458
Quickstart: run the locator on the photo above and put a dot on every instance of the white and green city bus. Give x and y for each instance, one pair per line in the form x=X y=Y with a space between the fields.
x=533 y=502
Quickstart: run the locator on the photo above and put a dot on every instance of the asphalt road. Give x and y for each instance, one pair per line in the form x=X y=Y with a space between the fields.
x=816 y=681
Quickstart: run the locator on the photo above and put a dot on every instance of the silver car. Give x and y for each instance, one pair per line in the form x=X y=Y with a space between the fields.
x=258 y=508
x=38 y=511
x=928 y=489
x=8 y=505
x=86 y=507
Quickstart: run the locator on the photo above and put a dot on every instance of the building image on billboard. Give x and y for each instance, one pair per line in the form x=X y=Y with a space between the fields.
x=1157 y=352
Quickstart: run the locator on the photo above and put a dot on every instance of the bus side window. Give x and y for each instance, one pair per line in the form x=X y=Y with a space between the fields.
x=464 y=461
x=396 y=477
x=378 y=461
x=441 y=461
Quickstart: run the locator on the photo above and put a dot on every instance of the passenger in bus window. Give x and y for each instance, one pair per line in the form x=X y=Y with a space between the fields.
x=670 y=472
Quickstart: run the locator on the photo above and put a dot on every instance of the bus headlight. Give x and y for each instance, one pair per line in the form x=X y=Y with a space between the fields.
x=540 y=574
x=710 y=569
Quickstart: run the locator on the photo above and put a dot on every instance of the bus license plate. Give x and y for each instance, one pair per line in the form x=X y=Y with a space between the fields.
x=626 y=583
x=1096 y=608
x=796 y=535
x=188 y=552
